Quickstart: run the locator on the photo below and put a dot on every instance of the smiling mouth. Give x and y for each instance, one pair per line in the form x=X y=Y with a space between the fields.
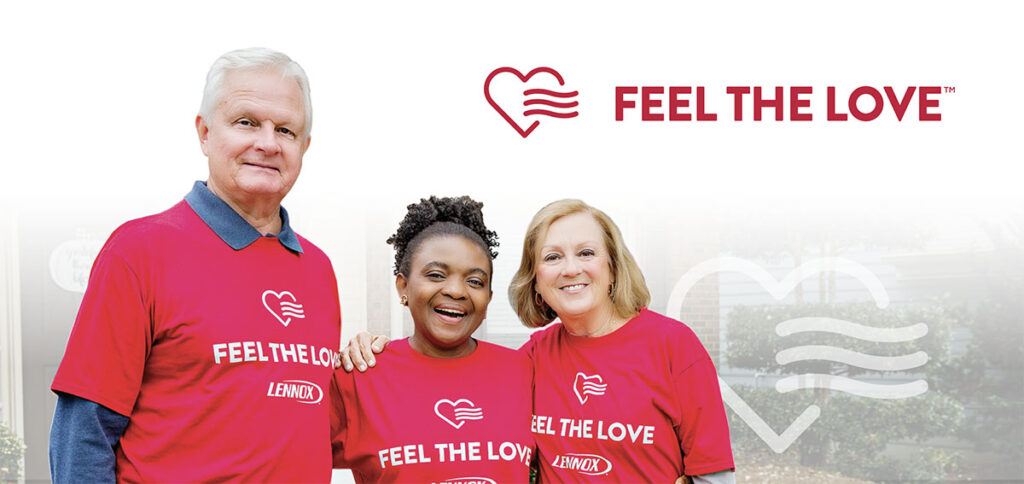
x=450 y=315
x=261 y=166
x=449 y=312
x=573 y=287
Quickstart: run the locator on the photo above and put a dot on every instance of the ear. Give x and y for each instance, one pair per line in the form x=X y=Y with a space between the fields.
x=306 y=147
x=204 y=133
x=400 y=285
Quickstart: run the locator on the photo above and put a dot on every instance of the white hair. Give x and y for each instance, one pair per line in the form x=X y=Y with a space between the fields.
x=253 y=58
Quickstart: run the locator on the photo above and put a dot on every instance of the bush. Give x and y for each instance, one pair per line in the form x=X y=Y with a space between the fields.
x=11 y=451
x=855 y=430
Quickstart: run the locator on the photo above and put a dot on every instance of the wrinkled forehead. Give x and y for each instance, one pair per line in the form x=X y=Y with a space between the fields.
x=267 y=89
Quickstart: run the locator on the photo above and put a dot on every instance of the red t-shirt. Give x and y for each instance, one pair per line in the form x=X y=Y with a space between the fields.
x=415 y=418
x=220 y=358
x=641 y=404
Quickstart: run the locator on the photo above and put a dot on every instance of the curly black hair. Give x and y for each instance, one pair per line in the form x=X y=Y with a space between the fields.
x=440 y=216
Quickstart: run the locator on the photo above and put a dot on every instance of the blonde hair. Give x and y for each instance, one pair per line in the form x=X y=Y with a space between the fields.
x=629 y=291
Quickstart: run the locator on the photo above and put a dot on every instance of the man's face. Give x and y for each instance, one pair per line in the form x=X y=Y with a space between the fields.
x=255 y=138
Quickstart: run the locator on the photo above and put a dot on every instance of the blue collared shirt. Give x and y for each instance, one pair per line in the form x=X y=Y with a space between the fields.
x=229 y=225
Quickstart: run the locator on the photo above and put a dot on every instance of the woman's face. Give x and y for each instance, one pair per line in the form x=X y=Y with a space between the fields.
x=574 y=267
x=449 y=286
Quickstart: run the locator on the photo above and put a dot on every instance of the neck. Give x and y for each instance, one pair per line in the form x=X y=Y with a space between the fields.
x=264 y=215
x=426 y=348
x=599 y=322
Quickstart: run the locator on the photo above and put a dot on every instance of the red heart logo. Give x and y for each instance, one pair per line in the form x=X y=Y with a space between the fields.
x=524 y=132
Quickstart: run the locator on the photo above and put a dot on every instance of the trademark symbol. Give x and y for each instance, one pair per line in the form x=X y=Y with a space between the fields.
x=949 y=89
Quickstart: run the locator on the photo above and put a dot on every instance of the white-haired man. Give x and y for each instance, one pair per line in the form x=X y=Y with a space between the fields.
x=206 y=335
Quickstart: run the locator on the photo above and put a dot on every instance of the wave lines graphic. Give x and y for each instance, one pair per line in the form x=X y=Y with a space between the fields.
x=469 y=414
x=530 y=102
x=545 y=112
x=851 y=329
x=293 y=310
x=548 y=92
x=851 y=386
x=594 y=388
x=852 y=358
x=560 y=109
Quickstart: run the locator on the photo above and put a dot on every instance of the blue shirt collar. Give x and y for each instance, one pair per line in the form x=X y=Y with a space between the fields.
x=231 y=227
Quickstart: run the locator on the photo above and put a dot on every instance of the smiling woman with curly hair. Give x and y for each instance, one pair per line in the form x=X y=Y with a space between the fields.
x=442 y=405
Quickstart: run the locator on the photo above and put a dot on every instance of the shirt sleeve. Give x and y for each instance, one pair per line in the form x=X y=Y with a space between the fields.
x=703 y=430
x=82 y=441
x=339 y=424
x=528 y=347
x=720 y=477
x=106 y=353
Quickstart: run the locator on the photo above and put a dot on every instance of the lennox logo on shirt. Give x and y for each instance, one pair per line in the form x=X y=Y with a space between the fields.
x=299 y=390
x=467 y=480
x=589 y=464
x=584 y=386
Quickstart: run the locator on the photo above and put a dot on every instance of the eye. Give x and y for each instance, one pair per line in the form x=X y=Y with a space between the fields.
x=587 y=253
x=286 y=131
x=476 y=282
x=245 y=122
x=437 y=276
x=554 y=256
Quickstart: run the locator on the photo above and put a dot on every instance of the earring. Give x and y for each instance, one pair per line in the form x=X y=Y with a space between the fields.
x=611 y=291
x=405 y=300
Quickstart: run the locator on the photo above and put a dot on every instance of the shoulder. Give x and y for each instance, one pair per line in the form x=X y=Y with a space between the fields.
x=509 y=367
x=501 y=353
x=310 y=249
x=542 y=340
x=394 y=358
x=159 y=226
x=547 y=334
x=143 y=236
x=664 y=326
x=681 y=343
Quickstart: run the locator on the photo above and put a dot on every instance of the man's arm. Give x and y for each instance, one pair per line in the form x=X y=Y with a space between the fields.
x=82 y=440
x=720 y=477
x=359 y=351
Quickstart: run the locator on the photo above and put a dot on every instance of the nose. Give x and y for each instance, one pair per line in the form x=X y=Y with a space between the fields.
x=266 y=140
x=454 y=288
x=571 y=267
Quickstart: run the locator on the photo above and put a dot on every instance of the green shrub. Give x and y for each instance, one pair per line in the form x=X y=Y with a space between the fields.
x=11 y=451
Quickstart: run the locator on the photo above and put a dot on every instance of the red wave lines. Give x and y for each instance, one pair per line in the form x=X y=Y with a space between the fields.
x=548 y=92
x=551 y=113
x=553 y=104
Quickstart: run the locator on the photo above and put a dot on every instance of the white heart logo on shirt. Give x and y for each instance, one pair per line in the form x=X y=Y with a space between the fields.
x=584 y=386
x=283 y=306
x=459 y=410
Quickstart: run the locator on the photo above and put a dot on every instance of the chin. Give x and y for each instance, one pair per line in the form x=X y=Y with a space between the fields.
x=266 y=187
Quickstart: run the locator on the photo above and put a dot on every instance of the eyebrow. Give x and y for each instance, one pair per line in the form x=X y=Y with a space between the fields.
x=444 y=266
x=585 y=243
